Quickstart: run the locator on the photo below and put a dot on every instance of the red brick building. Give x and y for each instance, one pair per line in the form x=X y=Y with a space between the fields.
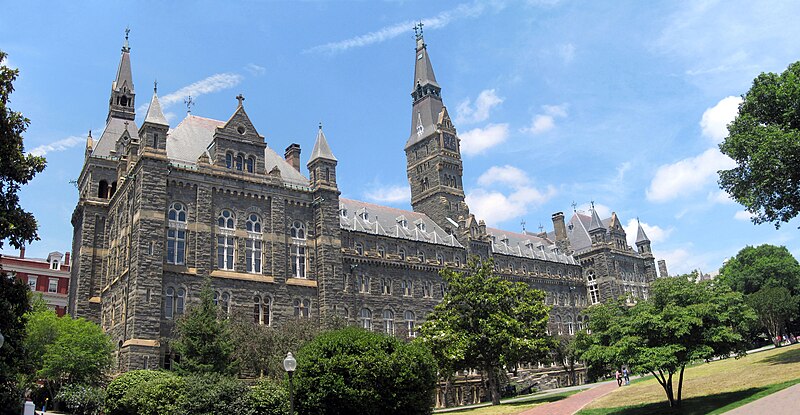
x=49 y=276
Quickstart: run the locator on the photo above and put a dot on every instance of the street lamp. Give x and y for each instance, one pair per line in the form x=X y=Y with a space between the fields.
x=2 y=340
x=289 y=365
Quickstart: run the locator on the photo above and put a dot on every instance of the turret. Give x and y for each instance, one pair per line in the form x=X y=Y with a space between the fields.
x=153 y=132
x=123 y=97
x=322 y=165
x=596 y=229
x=643 y=242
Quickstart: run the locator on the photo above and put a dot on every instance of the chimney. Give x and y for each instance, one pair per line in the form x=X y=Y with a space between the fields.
x=662 y=268
x=560 y=228
x=292 y=155
x=66 y=258
x=22 y=253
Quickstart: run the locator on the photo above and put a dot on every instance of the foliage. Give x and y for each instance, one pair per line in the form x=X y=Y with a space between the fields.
x=16 y=168
x=567 y=350
x=64 y=350
x=211 y=394
x=353 y=371
x=13 y=354
x=267 y=398
x=116 y=390
x=756 y=267
x=764 y=140
x=204 y=340
x=681 y=322
x=162 y=394
x=82 y=399
x=261 y=349
x=774 y=306
x=488 y=323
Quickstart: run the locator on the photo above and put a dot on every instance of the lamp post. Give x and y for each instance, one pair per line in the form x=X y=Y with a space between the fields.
x=290 y=364
x=2 y=340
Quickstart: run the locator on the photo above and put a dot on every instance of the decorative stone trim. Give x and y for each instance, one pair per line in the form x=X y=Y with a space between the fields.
x=181 y=269
x=141 y=342
x=95 y=300
x=303 y=282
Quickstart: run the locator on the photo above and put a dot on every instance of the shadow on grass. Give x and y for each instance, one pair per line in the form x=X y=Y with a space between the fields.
x=790 y=356
x=692 y=406
x=528 y=402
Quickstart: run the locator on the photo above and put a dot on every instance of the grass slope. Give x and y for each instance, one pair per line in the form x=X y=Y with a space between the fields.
x=515 y=407
x=709 y=388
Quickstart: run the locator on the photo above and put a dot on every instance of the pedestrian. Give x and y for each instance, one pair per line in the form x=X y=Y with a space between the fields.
x=619 y=378
x=625 y=375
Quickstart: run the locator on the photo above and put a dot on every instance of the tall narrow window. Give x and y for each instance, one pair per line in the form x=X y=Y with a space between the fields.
x=32 y=282
x=250 y=164
x=226 y=242
x=155 y=140
x=253 y=244
x=388 y=321
x=176 y=233
x=229 y=160
x=302 y=307
x=362 y=284
x=407 y=287
x=262 y=310
x=298 y=249
x=226 y=303
x=366 y=318
x=169 y=302
x=239 y=162
x=426 y=289
x=359 y=249
x=410 y=324
x=52 y=285
x=180 y=301
x=591 y=284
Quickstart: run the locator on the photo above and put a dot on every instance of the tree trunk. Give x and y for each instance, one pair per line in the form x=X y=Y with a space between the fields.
x=494 y=385
x=670 y=393
x=680 y=386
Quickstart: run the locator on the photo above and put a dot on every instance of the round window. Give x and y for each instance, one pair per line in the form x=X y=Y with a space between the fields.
x=241 y=129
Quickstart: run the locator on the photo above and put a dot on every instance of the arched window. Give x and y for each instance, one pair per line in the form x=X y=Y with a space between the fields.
x=239 y=162
x=262 y=310
x=102 y=190
x=180 y=301
x=226 y=241
x=366 y=318
x=440 y=259
x=359 y=248
x=426 y=289
x=229 y=160
x=253 y=244
x=402 y=253
x=298 y=249
x=388 y=321
x=559 y=327
x=408 y=287
x=568 y=322
x=302 y=307
x=169 y=303
x=410 y=323
x=226 y=303
x=251 y=163
x=381 y=251
x=176 y=233
x=591 y=285
x=421 y=256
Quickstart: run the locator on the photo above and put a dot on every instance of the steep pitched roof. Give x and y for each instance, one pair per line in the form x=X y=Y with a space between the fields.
x=124 y=75
x=154 y=114
x=423 y=70
x=641 y=236
x=596 y=222
x=321 y=148
x=526 y=246
x=114 y=129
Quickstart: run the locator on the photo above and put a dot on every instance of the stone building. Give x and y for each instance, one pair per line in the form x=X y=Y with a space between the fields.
x=161 y=209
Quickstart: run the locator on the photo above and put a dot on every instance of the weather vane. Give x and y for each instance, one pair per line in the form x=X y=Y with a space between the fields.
x=574 y=206
x=418 y=30
x=541 y=228
x=189 y=104
x=522 y=222
x=126 y=47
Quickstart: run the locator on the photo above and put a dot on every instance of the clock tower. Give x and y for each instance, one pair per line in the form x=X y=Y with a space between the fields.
x=433 y=152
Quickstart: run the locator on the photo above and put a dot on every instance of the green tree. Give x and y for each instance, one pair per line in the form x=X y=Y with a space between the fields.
x=567 y=350
x=13 y=354
x=204 y=342
x=354 y=371
x=764 y=141
x=754 y=268
x=774 y=306
x=16 y=168
x=487 y=323
x=682 y=322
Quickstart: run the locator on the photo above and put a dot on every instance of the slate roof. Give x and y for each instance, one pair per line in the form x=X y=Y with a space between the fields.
x=384 y=220
x=112 y=132
x=154 y=114
x=124 y=76
x=321 y=148
x=187 y=141
x=641 y=236
x=526 y=246
x=426 y=111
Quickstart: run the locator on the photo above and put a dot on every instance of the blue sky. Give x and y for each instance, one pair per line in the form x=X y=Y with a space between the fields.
x=556 y=102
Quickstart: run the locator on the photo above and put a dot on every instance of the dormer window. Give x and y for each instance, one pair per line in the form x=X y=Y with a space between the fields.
x=420 y=225
x=402 y=221
x=343 y=212
x=363 y=214
x=55 y=264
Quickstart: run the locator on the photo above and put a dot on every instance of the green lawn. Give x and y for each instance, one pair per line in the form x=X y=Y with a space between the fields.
x=515 y=407
x=709 y=388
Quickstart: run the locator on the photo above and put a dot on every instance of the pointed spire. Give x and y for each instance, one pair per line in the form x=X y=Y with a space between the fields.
x=423 y=70
x=124 y=77
x=154 y=113
x=321 y=148
x=596 y=222
x=640 y=235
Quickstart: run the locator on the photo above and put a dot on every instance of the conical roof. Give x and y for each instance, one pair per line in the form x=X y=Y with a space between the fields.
x=640 y=235
x=423 y=70
x=596 y=222
x=124 y=75
x=154 y=113
x=321 y=148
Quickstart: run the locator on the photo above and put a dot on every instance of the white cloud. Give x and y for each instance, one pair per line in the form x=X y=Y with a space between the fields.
x=655 y=233
x=602 y=210
x=60 y=145
x=505 y=193
x=684 y=260
x=687 y=176
x=389 y=194
x=469 y=114
x=715 y=120
x=255 y=70
x=385 y=33
x=721 y=197
x=547 y=120
x=743 y=215
x=213 y=83
x=478 y=140
x=567 y=52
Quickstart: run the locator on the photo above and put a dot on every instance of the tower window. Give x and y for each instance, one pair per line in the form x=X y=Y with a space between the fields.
x=251 y=162
x=155 y=140
x=229 y=160
x=298 y=249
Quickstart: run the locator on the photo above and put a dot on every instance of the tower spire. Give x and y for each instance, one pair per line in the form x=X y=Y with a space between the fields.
x=122 y=103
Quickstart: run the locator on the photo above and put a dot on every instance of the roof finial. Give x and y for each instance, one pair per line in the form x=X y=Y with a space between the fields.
x=240 y=98
x=126 y=47
x=90 y=133
x=155 y=86
x=189 y=104
x=637 y=221
x=418 y=30
x=574 y=206
x=320 y=125
x=522 y=222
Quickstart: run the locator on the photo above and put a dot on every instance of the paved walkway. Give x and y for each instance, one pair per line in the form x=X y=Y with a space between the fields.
x=779 y=403
x=574 y=403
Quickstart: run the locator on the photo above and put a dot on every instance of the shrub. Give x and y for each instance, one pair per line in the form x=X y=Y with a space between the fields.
x=353 y=371
x=157 y=396
x=121 y=385
x=267 y=398
x=211 y=394
x=82 y=399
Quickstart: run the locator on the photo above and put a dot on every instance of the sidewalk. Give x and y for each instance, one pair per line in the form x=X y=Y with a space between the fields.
x=779 y=403
x=574 y=403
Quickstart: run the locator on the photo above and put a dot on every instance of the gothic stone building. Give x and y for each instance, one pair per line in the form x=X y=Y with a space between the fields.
x=162 y=209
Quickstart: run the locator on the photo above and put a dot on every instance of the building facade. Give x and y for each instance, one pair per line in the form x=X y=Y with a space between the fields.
x=162 y=209
x=47 y=276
